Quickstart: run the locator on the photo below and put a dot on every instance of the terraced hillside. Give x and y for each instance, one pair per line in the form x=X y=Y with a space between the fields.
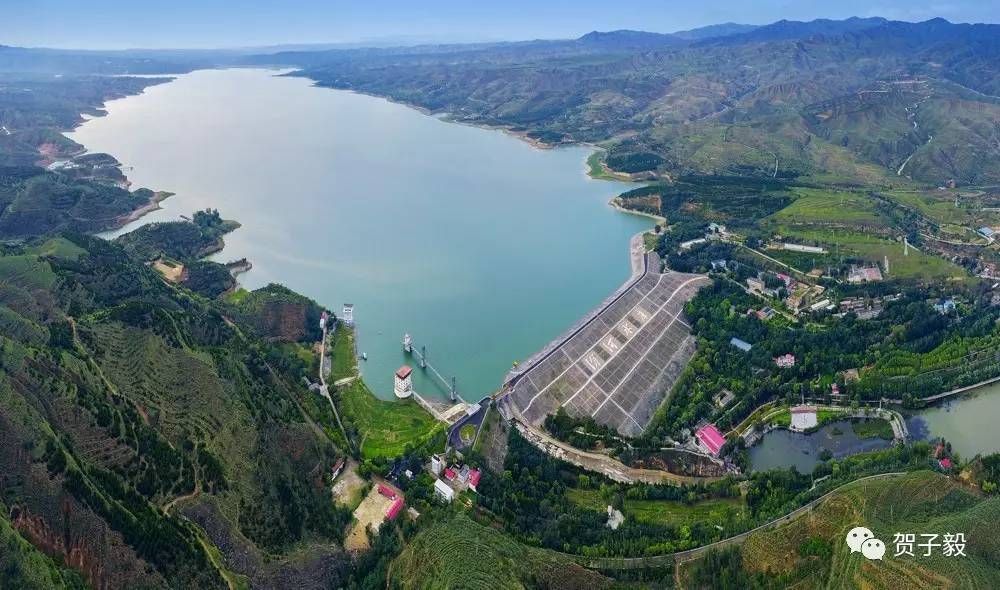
x=458 y=553
x=810 y=552
x=124 y=402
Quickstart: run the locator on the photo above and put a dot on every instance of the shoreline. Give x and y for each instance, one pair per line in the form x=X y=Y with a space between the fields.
x=615 y=203
x=158 y=196
x=449 y=117
x=152 y=205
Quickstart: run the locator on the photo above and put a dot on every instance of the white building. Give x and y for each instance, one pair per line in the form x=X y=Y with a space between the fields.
x=803 y=418
x=443 y=490
x=691 y=243
x=803 y=248
x=403 y=386
x=437 y=464
x=347 y=315
x=615 y=518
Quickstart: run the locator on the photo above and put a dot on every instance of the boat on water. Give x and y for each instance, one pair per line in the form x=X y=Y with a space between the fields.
x=364 y=356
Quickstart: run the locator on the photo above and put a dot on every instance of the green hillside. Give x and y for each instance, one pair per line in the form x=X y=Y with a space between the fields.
x=455 y=552
x=811 y=552
x=872 y=103
x=125 y=402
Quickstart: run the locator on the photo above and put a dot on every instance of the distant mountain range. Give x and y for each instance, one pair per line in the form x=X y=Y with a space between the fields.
x=820 y=97
x=851 y=99
x=720 y=30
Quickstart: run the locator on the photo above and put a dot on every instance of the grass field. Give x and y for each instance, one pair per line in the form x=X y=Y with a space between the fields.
x=344 y=362
x=666 y=512
x=921 y=502
x=939 y=206
x=650 y=240
x=384 y=427
x=57 y=248
x=456 y=552
x=828 y=206
x=852 y=244
x=595 y=169
x=27 y=272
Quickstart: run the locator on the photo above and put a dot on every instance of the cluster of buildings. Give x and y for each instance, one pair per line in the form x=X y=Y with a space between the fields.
x=453 y=479
x=945 y=306
x=864 y=274
x=799 y=296
x=715 y=231
x=397 y=501
x=785 y=361
x=866 y=308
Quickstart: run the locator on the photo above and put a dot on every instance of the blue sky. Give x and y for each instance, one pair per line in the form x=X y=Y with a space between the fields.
x=115 y=24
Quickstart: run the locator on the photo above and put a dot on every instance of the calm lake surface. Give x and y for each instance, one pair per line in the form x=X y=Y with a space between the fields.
x=969 y=422
x=780 y=449
x=481 y=246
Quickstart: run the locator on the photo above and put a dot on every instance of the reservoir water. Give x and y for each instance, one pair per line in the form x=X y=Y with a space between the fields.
x=968 y=422
x=481 y=246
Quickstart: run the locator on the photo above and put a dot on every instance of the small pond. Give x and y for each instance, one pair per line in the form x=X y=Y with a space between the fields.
x=780 y=449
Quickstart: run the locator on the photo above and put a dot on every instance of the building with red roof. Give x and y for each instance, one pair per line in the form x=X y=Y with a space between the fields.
x=945 y=463
x=450 y=474
x=785 y=361
x=710 y=439
x=474 y=476
x=403 y=384
x=394 y=510
x=386 y=491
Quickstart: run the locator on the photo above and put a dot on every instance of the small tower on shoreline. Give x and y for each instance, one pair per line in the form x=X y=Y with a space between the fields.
x=347 y=316
x=403 y=385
